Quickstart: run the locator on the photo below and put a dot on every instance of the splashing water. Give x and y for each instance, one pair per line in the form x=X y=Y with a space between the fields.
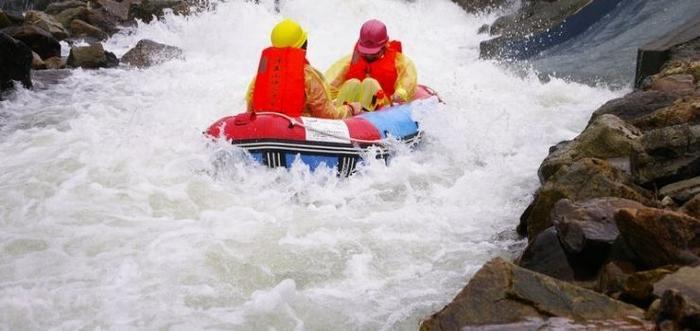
x=115 y=212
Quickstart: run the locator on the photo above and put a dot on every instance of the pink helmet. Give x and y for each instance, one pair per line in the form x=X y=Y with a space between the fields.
x=373 y=37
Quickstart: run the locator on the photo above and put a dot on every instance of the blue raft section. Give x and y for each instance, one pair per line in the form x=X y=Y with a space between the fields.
x=391 y=123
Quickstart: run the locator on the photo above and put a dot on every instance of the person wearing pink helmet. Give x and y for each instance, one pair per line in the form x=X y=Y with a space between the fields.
x=376 y=73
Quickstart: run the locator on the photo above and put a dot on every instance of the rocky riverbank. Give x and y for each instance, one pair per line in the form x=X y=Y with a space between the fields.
x=614 y=230
x=33 y=39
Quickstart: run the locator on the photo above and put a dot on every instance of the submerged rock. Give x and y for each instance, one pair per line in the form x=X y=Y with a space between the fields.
x=40 y=41
x=15 y=62
x=659 y=237
x=501 y=293
x=91 y=57
x=606 y=137
x=147 y=53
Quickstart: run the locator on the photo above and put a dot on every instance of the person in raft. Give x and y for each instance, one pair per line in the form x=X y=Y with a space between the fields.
x=286 y=83
x=376 y=74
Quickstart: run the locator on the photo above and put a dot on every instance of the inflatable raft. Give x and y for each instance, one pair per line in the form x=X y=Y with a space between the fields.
x=277 y=140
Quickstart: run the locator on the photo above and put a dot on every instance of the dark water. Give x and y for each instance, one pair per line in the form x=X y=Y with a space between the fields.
x=607 y=51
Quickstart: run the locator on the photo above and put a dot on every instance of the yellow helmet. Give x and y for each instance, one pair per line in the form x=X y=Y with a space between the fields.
x=288 y=34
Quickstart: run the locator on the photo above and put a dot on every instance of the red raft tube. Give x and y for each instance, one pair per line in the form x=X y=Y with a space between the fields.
x=276 y=140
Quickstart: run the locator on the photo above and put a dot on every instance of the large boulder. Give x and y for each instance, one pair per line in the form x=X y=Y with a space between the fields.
x=680 y=299
x=659 y=237
x=546 y=256
x=636 y=104
x=40 y=41
x=80 y=28
x=15 y=62
x=67 y=16
x=119 y=10
x=684 y=111
x=606 y=137
x=147 y=53
x=47 y=23
x=91 y=57
x=584 y=179
x=668 y=155
x=587 y=229
x=502 y=293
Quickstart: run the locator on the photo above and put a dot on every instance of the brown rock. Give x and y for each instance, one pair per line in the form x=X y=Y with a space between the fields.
x=684 y=111
x=583 y=180
x=47 y=23
x=639 y=286
x=40 y=41
x=606 y=137
x=119 y=10
x=669 y=154
x=613 y=276
x=80 y=28
x=659 y=237
x=683 y=83
x=37 y=63
x=636 y=104
x=546 y=256
x=147 y=53
x=67 y=16
x=58 y=7
x=502 y=293
x=682 y=191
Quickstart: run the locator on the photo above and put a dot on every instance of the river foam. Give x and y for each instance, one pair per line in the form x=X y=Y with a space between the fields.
x=115 y=212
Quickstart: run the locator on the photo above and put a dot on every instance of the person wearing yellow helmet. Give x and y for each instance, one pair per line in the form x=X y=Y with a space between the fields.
x=286 y=82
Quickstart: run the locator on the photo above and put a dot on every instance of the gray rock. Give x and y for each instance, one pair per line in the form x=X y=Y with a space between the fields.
x=636 y=104
x=473 y=6
x=58 y=7
x=502 y=293
x=685 y=110
x=67 y=16
x=15 y=62
x=682 y=191
x=147 y=10
x=680 y=299
x=546 y=256
x=37 y=63
x=147 y=53
x=91 y=57
x=40 y=41
x=606 y=137
x=668 y=155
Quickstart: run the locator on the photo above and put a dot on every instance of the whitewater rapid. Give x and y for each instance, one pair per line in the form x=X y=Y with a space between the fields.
x=115 y=212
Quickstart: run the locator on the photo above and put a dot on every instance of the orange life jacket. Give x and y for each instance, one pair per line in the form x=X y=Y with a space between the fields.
x=382 y=69
x=279 y=85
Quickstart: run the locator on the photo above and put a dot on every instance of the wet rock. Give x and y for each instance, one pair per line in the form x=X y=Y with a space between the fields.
x=67 y=16
x=684 y=111
x=40 y=41
x=37 y=63
x=80 y=28
x=102 y=20
x=682 y=191
x=636 y=104
x=587 y=229
x=674 y=83
x=680 y=298
x=147 y=10
x=501 y=293
x=57 y=7
x=583 y=180
x=546 y=256
x=473 y=6
x=47 y=23
x=692 y=207
x=55 y=63
x=147 y=53
x=659 y=237
x=15 y=62
x=91 y=57
x=606 y=137
x=669 y=154
x=119 y=10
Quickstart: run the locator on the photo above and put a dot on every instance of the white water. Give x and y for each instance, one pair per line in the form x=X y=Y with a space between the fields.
x=115 y=213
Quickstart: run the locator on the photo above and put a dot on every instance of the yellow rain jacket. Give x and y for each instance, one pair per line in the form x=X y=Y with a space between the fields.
x=406 y=82
x=318 y=99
